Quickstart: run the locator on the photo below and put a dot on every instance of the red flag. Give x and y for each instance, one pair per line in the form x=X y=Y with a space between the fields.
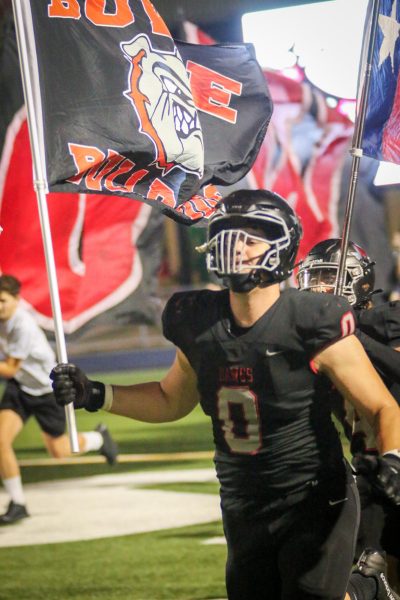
x=96 y=244
x=107 y=253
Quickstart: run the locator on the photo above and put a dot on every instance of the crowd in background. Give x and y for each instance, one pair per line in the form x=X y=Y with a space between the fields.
x=182 y=266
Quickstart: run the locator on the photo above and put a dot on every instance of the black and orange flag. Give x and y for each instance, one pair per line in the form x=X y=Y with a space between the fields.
x=123 y=109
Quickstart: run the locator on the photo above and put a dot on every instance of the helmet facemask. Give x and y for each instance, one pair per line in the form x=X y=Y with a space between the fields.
x=322 y=278
x=244 y=218
x=226 y=249
x=318 y=278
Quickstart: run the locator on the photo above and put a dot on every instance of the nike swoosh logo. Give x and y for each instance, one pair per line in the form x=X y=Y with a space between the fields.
x=269 y=353
x=333 y=502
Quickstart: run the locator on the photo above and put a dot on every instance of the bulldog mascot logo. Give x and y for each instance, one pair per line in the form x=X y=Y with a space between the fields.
x=160 y=93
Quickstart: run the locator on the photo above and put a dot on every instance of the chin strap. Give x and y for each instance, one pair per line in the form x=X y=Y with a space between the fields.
x=242 y=283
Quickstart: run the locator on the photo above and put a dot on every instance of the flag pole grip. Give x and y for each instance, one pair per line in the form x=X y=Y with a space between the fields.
x=21 y=8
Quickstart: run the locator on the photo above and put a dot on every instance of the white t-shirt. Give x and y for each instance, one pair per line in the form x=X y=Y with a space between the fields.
x=22 y=338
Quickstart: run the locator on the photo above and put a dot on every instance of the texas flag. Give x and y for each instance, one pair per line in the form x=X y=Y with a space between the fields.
x=381 y=139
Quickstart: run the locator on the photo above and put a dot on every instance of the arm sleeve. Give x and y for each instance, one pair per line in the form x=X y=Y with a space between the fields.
x=393 y=324
x=169 y=319
x=177 y=319
x=382 y=323
x=186 y=318
x=19 y=343
x=325 y=319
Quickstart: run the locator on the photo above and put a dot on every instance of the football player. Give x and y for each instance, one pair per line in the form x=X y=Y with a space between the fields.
x=378 y=329
x=258 y=360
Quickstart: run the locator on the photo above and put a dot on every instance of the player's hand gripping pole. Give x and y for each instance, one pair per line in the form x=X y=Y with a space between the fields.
x=70 y=384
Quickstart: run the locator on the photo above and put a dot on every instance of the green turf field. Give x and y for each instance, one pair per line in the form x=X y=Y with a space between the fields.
x=172 y=564
x=191 y=433
x=169 y=564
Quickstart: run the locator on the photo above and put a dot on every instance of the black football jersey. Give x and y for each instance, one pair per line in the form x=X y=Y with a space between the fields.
x=272 y=427
x=382 y=324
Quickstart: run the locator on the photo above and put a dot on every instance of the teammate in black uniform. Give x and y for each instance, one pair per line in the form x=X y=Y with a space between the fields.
x=378 y=328
x=256 y=359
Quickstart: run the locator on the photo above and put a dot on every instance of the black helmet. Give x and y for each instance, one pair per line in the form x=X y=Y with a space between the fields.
x=319 y=270
x=279 y=226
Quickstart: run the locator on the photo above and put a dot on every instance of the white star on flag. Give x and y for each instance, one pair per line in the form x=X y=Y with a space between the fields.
x=390 y=28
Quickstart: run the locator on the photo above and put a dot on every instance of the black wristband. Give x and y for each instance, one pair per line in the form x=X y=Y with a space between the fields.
x=96 y=396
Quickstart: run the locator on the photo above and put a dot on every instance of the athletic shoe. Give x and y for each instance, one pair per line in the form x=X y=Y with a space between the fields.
x=109 y=448
x=372 y=564
x=15 y=512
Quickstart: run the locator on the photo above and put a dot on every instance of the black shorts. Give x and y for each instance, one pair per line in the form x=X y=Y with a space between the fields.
x=49 y=415
x=300 y=549
x=380 y=522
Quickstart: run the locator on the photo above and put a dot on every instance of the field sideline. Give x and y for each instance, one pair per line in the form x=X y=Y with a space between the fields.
x=114 y=505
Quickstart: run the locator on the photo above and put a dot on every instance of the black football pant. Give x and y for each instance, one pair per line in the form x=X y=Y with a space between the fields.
x=300 y=551
x=380 y=521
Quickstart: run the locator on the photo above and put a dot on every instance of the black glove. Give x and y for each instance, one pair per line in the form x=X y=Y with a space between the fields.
x=383 y=472
x=70 y=384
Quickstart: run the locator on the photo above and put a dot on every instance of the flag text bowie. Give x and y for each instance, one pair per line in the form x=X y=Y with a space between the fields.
x=95 y=12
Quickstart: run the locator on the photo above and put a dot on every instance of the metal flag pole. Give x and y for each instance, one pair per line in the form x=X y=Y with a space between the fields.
x=356 y=150
x=40 y=186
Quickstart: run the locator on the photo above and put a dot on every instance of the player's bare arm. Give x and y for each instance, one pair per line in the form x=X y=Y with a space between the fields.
x=9 y=367
x=350 y=369
x=153 y=402
x=172 y=398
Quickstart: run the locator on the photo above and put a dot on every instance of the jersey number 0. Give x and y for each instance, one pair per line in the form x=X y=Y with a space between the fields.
x=239 y=416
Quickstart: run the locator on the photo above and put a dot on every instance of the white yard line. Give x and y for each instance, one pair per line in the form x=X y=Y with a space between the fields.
x=108 y=506
x=91 y=459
